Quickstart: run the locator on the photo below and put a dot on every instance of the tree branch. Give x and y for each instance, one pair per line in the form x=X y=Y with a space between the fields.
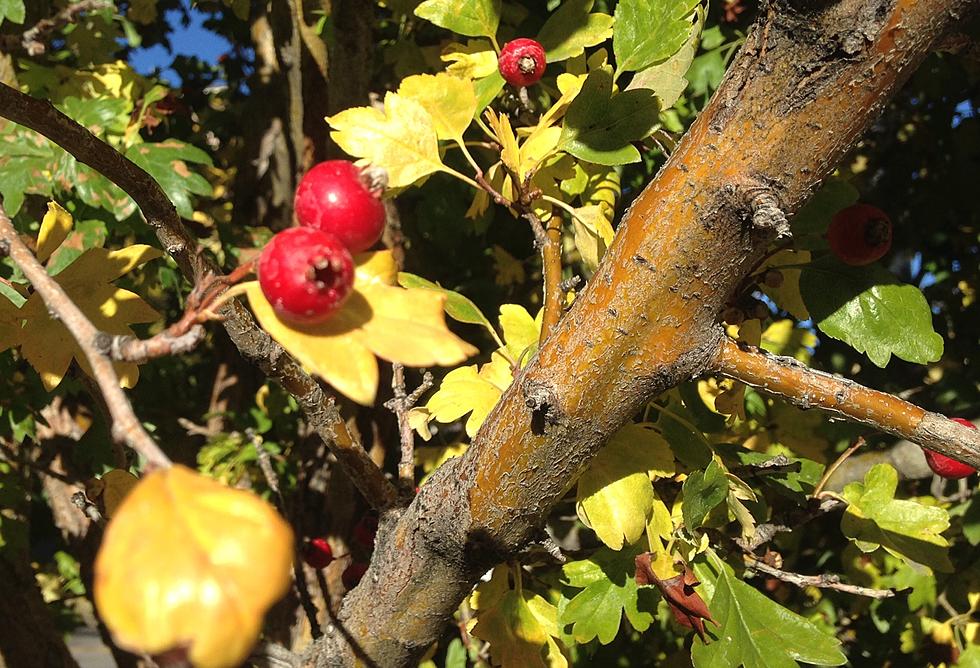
x=126 y=427
x=807 y=388
x=252 y=342
x=825 y=581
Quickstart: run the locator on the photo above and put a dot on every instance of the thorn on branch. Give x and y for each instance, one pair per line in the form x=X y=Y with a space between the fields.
x=766 y=212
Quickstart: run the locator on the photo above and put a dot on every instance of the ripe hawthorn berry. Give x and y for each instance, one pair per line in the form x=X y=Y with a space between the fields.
x=353 y=574
x=318 y=554
x=522 y=62
x=306 y=274
x=948 y=467
x=860 y=234
x=333 y=197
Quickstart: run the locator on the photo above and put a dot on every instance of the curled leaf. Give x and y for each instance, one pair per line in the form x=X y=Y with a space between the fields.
x=190 y=566
x=687 y=606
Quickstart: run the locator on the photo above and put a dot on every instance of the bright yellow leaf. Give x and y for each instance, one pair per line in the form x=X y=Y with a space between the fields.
x=401 y=139
x=521 y=331
x=450 y=101
x=474 y=60
x=379 y=318
x=467 y=390
x=55 y=226
x=787 y=296
x=593 y=233
x=188 y=562
x=615 y=497
x=783 y=337
x=510 y=154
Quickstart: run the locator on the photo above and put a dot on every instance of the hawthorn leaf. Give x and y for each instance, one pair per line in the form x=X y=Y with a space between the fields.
x=11 y=324
x=648 y=31
x=755 y=631
x=55 y=226
x=474 y=18
x=685 y=603
x=907 y=529
x=609 y=590
x=211 y=559
x=593 y=233
x=167 y=162
x=703 y=490
x=572 y=28
x=521 y=331
x=450 y=101
x=666 y=79
x=787 y=296
x=109 y=491
x=614 y=496
x=474 y=60
x=26 y=162
x=470 y=389
x=812 y=220
x=520 y=626
x=396 y=324
x=599 y=125
x=783 y=337
x=871 y=311
x=12 y=10
x=401 y=139
x=458 y=307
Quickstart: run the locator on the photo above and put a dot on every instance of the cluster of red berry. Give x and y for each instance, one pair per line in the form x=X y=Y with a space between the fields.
x=307 y=272
x=318 y=554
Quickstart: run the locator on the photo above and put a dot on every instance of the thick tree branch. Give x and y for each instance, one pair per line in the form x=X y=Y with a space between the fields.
x=126 y=427
x=252 y=342
x=802 y=386
x=811 y=75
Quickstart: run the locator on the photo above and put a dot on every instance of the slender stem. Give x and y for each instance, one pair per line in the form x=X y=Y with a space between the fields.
x=825 y=581
x=469 y=156
x=126 y=427
x=400 y=405
x=829 y=472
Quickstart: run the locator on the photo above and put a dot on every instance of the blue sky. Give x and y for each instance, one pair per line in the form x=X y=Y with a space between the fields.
x=190 y=40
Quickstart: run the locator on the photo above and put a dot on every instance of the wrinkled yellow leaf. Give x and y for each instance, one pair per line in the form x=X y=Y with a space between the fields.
x=55 y=226
x=538 y=146
x=615 y=497
x=396 y=324
x=521 y=331
x=787 y=296
x=187 y=562
x=401 y=139
x=593 y=233
x=450 y=101
x=474 y=60
x=510 y=154
x=467 y=390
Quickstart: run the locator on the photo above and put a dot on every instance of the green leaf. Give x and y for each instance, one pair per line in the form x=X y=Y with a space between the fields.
x=101 y=116
x=608 y=590
x=455 y=654
x=666 y=79
x=814 y=218
x=870 y=310
x=458 y=307
x=599 y=126
x=647 y=31
x=755 y=631
x=572 y=28
x=703 y=490
x=615 y=497
x=475 y=18
x=167 y=163
x=12 y=10
x=875 y=518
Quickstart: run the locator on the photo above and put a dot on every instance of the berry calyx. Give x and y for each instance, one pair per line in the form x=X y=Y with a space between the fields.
x=305 y=274
x=353 y=574
x=318 y=554
x=334 y=197
x=948 y=467
x=860 y=234
x=522 y=62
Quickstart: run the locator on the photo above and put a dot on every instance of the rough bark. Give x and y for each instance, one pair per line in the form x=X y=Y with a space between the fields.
x=808 y=81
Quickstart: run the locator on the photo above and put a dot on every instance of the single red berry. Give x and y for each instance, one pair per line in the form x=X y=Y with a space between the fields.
x=305 y=274
x=334 y=197
x=365 y=531
x=353 y=574
x=860 y=234
x=522 y=62
x=318 y=553
x=948 y=467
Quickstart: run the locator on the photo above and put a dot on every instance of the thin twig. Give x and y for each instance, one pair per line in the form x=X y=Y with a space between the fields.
x=299 y=578
x=31 y=40
x=825 y=581
x=836 y=465
x=126 y=427
x=400 y=405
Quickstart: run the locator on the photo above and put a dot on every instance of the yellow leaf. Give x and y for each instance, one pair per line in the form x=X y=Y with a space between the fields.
x=117 y=486
x=450 y=101
x=521 y=331
x=510 y=154
x=11 y=323
x=188 y=562
x=783 y=337
x=466 y=390
x=507 y=268
x=401 y=139
x=431 y=457
x=615 y=497
x=538 y=146
x=593 y=232
x=55 y=226
x=474 y=60
x=569 y=85
x=397 y=324
x=787 y=296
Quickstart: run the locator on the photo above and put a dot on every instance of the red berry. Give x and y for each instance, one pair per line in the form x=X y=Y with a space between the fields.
x=334 y=198
x=860 y=234
x=353 y=574
x=945 y=466
x=305 y=274
x=522 y=62
x=318 y=553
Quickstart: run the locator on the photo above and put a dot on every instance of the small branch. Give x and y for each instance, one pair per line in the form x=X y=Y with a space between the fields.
x=825 y=581
x=554 y=297
x=126 y=427
x=400 y=405
x=830 y=470
x=31 y=40
x=806 y=388
x=124 y=348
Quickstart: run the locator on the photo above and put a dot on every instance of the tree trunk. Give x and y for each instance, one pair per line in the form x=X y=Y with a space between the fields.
x=808 y=81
